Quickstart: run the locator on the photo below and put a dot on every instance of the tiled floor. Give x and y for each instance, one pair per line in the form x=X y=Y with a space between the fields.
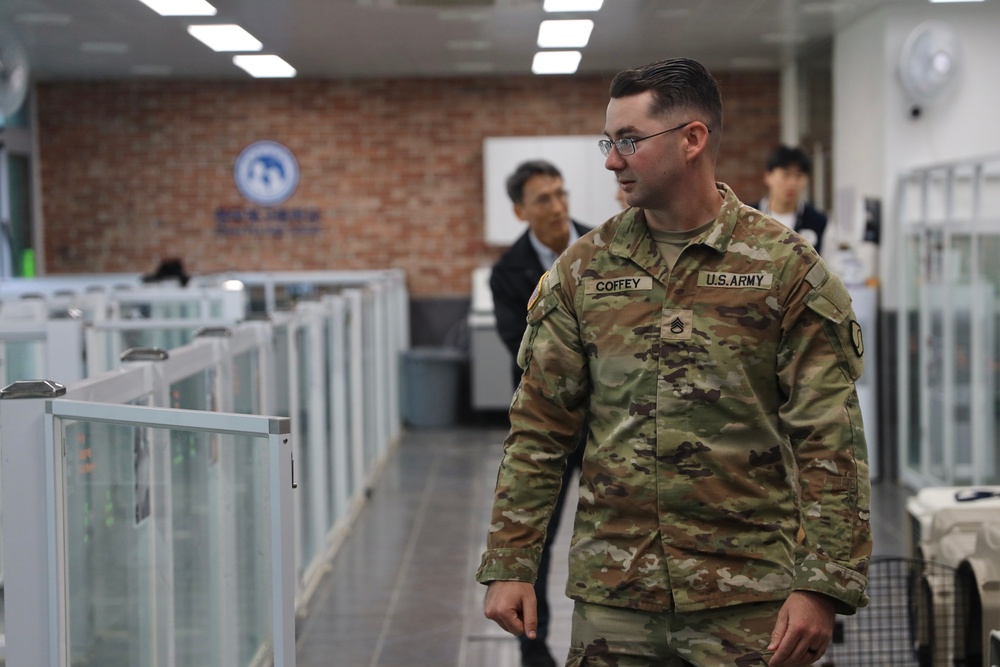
x=401 y=593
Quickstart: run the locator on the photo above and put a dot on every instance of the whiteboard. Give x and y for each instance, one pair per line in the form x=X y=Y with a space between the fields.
x=591 y=187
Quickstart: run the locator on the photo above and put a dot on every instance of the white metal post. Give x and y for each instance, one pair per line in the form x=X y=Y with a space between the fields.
x=282 y=545
x=30 y=603
x=337 y=356
x=356 y=391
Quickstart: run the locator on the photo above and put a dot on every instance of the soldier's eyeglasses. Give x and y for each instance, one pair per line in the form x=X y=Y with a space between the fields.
x=627 y=146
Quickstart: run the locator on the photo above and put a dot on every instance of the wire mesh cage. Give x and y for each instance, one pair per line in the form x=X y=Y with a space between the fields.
x=911 y=620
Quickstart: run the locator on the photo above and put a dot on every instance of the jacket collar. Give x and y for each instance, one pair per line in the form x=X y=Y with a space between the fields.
x=632 y=238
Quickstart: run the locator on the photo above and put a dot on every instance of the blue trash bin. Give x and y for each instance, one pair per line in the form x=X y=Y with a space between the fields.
x=432 y=377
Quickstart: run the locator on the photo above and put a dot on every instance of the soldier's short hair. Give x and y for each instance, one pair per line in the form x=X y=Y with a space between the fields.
x=784 y=157
x=676 y=83
x=524 y=171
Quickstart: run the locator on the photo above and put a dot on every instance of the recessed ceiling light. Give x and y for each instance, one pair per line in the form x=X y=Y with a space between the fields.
x=180 y=7
x=564 y=34
x=956 y=0
x=264 y=67
x=572 y=5
x=227 y=37
x=556 y=62
x=110 y=48
x=42 y=18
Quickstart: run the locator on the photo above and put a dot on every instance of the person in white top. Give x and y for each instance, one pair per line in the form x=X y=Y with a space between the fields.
x=786 y=176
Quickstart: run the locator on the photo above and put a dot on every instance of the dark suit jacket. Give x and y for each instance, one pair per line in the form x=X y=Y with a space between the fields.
x=514 y=278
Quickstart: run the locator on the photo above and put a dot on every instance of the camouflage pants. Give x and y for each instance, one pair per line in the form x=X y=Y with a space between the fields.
x=735 y=636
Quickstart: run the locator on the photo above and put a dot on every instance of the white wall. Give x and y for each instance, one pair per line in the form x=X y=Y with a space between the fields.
x=591 y=187
x=874 y=137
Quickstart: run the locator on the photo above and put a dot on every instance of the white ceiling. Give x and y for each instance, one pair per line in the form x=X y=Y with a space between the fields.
x=115 y=39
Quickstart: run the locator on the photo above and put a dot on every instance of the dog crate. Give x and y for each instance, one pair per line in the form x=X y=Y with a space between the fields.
x=943 y=521
x=910 y=621
x=959 y=527
x=977 y=584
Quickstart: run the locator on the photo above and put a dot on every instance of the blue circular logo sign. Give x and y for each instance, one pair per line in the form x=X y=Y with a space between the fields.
x=266 y=173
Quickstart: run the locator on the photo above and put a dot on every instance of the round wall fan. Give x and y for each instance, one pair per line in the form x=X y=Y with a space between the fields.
x=929 y=64
x=13 y=74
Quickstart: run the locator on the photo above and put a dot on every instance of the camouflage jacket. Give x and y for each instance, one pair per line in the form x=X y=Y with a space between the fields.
x=726 y=461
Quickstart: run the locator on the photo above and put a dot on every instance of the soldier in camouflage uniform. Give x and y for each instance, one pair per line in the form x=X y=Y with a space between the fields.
x=724 y=497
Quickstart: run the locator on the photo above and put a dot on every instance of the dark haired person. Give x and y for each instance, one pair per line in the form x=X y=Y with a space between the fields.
x=724 y=495
x=786 y=175
x=539 y=196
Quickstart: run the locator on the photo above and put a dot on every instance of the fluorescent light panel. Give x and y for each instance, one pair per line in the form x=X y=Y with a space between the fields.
x=564 y=34
x=936 y=1
x=265 y=67
x=572 y=5
x=180 y=7
x=556 y=62
x=227 y=37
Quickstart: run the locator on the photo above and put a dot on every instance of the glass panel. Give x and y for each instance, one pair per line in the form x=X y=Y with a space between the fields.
x=912 y=368
x=933 y=355
x=23 y=360
x=246 y=383
x=287 y=295
x=196 y=392
x=962 y=356
x=988 y=247
x=139 y=520
x=179 y=310
x=256 y=299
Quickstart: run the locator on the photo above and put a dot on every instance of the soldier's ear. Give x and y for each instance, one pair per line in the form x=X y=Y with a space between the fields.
x=697 y=136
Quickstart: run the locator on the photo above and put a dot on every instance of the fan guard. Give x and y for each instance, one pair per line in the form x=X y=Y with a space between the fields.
x=929 y=63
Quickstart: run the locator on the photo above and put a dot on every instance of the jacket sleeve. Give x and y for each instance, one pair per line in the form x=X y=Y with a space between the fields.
x=510 y=307
x=820 y=359
x=546 y=417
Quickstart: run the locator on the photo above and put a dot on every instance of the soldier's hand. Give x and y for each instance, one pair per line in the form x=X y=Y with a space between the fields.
x=512 y=605
x=803 y=631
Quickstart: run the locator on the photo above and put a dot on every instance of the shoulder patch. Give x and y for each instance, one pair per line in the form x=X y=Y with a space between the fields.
x=857 y=340
x=817 y=275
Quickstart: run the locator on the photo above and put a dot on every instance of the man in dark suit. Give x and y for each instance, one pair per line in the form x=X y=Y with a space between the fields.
x=540 y=199
x=786 y=176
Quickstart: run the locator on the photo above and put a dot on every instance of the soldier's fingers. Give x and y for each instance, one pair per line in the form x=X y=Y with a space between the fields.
x=779 y=629
x=510 y=620
x=530 y=618
x=503 y=609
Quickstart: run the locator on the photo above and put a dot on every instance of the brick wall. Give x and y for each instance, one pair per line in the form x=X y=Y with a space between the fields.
x=135 y=171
